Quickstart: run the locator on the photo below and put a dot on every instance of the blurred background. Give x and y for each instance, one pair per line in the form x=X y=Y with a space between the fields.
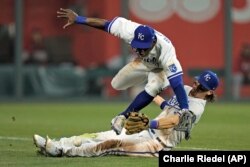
x=41 y=60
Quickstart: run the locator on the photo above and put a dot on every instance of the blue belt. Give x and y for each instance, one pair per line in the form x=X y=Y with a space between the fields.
x=159 y=140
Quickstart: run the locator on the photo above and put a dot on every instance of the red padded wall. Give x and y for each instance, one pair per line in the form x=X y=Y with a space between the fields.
x=197 y=44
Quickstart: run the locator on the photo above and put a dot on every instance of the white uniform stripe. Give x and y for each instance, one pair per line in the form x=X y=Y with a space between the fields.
x=198 y=148
x=175 y=75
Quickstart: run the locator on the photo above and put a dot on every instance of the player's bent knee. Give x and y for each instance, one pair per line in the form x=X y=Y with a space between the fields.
x=153 y=90
x=116 y=85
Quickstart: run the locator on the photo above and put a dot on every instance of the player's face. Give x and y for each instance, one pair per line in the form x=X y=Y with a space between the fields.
x=198 y=88
x=141 y=52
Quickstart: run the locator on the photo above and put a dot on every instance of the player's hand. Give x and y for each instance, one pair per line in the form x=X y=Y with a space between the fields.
x=68 y=14
x=186 y=121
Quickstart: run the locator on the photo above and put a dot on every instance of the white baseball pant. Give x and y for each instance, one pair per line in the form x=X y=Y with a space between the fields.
x=142 y=144
x=136 y=72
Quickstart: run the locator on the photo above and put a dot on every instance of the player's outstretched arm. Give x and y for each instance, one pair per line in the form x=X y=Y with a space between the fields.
x=169 y=122
x=73 y=17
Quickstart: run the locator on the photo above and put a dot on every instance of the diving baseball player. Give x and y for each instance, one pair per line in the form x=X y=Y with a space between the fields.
x=156 y=61
x=147 y=143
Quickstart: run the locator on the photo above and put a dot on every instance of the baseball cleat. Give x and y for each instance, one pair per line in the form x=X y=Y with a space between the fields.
x=117 y=124
x=52 y=148
x=39 y=142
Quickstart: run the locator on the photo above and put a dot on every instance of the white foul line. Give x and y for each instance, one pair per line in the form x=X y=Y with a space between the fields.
x=197 y=148
x=15 y=138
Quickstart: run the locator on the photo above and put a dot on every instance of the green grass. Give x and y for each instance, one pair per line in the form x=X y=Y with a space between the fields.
x=223 y=126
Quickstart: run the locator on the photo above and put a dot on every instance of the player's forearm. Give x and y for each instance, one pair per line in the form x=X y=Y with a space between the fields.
x=165 y=123
x=160 y=102
x=92 y=22
x=96 y=23
x=169 y=122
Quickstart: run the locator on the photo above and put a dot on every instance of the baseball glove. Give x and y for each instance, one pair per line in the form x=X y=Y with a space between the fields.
x=136 y=122
x=187 y=118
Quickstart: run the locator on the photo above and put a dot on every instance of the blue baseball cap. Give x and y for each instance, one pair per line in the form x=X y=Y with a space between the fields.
x=143 y=37
x=208 y=80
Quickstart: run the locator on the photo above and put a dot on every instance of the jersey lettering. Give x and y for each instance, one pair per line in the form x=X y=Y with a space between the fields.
x=164 y=37
x=152 y=60
x=173 y=102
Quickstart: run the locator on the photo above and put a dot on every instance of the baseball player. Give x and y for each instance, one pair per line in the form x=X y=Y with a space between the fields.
x=147 y=143
x=156 y=61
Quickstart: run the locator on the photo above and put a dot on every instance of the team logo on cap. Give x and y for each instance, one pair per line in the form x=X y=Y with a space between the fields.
x=207 y=77
x=172 y=68
x=141 y=36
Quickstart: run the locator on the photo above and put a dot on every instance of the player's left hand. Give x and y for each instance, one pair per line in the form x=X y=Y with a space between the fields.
x=136 y=122
x=187 y=118
x=68 y=14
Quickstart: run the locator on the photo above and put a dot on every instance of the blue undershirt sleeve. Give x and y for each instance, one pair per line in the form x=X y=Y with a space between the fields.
x=178 y=88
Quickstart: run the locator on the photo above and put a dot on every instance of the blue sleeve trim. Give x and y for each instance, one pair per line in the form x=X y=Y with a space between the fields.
x=175 y=75
x=106 y=25
x=80 y=20
x=110 y=24
x=164 y=104
x=153 y=124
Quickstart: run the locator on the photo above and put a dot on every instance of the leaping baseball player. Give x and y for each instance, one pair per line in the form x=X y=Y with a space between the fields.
x=138 y=138
x=156 y=62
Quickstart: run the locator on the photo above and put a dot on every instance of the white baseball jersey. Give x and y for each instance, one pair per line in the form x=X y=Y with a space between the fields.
x=161 y=56
x=146 y=143
x=159 y=65
x=170 y=136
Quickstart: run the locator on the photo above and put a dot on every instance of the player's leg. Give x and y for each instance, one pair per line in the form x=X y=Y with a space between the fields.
x=55 y=147
x=58 y=147
x=141 y=100
x=156 y=82
x=140 y=144
x=132 y=74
